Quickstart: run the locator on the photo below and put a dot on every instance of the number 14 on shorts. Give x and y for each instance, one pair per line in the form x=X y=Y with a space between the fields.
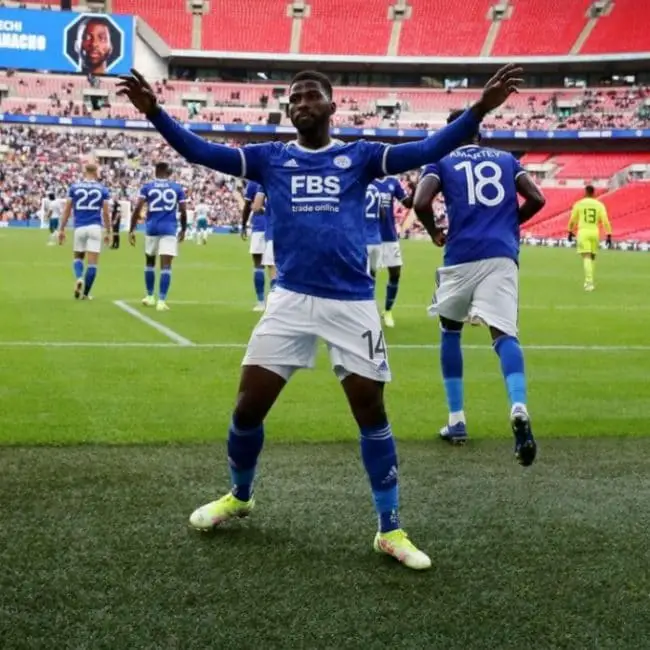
x=376 y=345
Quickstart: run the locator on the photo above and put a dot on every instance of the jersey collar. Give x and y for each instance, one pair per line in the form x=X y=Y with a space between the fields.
x=333 y=143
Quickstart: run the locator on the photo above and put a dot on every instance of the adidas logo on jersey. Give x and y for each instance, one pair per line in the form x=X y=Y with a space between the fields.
x=383 y=366
x=291 y=163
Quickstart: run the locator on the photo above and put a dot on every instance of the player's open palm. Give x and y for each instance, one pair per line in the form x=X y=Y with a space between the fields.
x=61 y=237
x=132 y=238
x=505 y=82
x=180 y=236
x=139 y=92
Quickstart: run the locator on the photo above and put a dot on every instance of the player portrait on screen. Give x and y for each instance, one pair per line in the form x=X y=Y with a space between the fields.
x=94 y=44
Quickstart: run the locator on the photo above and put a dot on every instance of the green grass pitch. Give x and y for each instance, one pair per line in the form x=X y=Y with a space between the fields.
x=112 y=433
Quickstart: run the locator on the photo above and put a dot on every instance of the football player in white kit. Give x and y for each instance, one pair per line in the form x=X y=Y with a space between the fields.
x=201 y=222
x=53 y=210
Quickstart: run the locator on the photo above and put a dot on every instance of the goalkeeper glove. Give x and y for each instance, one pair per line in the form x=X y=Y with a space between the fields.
x=609 y=241
x=570 y=236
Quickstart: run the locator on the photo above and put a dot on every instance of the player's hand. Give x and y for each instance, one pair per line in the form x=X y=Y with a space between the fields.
x=108 y=239
x=569 y=237
x=608 y=241
x=243 y=234
x=180 y=236
x=61 y=237
x=505 y=82
x=132 y=238
x=440 y=237
x=139 y=92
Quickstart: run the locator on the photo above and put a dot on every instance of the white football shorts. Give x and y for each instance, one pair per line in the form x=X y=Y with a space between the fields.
x=268 y=259
x=374 y=257
x=286 y=337
x=88 y=239
x=258 y=243
x=391 y=254
x=487 y=291
x=163 y=245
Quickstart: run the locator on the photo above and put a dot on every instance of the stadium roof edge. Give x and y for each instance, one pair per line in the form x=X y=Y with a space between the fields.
x=639 y=60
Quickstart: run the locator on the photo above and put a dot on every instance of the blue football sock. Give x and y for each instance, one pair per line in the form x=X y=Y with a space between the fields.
x=512 y=367
x=380 y=460
x=258 y=281
x=150 y=279
x=165 y=281
x=244 y=447
x=273 y=283
x=451 y=362
x=89 y=279
x=391 y=294
x=78 y=269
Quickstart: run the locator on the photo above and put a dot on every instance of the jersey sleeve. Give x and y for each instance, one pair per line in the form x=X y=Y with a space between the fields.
x=255 y=158
x=250 y=191
x=401 y=158
x=71 y=192
x=400 y=194
x=106 y=194
x=430 y=170
x=224 y=159
x=604 y=219
x=142 y=194
x=180 y=191
x=374 y=154
x=517 y=168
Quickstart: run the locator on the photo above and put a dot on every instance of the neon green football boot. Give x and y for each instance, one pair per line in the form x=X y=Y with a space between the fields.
x=217 y=512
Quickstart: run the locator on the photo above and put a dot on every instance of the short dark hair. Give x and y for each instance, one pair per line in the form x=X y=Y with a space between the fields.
x=590 y=190
x=454 y=115
x=313 y=75
x=163 y=169
x=51 y=196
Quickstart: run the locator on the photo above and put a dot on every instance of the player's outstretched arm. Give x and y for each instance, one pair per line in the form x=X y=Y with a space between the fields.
x=403 y=157
x=192 y=147
x=534 y=199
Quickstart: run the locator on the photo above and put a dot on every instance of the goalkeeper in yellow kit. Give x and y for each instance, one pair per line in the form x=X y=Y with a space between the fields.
x=587 y=214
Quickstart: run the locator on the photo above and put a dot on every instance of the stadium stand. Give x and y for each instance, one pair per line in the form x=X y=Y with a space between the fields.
x=594 y=165
x=169 y=18
x=441 y=28
x=341 y=27
x=625 y=29
x=236 y=26
x=541 y=27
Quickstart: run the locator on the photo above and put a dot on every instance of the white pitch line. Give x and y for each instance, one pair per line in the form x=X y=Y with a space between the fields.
x=241 y=346
x=166 y=331
x=424 y=306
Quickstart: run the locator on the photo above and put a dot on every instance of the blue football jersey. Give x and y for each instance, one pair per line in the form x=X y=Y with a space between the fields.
x=258 y=220
x=390 y=191
x=162 y=197
x=373 y=214
x=317 y=200
x=88 y=202
x=480 y=194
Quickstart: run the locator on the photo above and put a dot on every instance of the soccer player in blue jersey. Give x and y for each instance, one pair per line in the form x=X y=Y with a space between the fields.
x=165 y=199
x=316 y=190
x=89 y=202
x=373 y=214
x=390 y=190
x=254 y=204
x=479 y=278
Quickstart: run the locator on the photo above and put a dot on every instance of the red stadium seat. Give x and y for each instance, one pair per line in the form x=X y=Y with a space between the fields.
x=626 y=29
x=541 y=27
x=169 y=18
x=251 y=25
x=443 y=28
x=345 y=27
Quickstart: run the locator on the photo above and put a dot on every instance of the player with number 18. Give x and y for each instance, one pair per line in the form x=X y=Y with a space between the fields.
x=479 y=278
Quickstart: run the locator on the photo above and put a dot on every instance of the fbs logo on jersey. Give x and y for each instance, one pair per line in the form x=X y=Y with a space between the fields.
x=315 y=193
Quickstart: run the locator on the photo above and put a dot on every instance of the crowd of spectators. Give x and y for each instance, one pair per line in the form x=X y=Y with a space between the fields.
x=37 y=161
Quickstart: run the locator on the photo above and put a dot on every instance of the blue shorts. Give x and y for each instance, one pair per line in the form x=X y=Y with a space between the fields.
x=201 y=224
